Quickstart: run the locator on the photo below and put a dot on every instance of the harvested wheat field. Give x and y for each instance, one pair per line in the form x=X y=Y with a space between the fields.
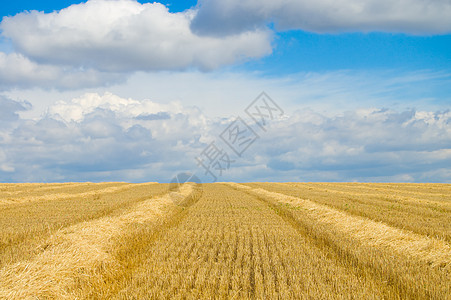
x=225 y=241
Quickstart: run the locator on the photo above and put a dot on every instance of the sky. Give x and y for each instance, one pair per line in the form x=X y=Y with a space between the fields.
x=294 y=90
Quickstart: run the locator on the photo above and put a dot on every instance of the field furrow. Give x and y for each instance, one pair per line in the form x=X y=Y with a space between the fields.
x=24 y=226
x=79 y=259
x=424 y=218
x=423 y=197
x=23 y=193
x=414 y=189
x=225 y=241
x=233 y=245
x=415 y=265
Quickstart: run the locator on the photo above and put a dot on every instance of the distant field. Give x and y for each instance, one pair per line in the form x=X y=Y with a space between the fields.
x=225 y=241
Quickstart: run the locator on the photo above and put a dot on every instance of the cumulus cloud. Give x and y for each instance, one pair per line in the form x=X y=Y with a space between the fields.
x=124 y=35
x=18 y=71
x=101 y=42
x=403 y=16
x=364 y=145
x=9 y=109
x=99 y=134
x=106 y=137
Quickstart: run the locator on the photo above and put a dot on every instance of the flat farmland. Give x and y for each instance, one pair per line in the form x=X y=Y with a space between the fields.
x=225 y=241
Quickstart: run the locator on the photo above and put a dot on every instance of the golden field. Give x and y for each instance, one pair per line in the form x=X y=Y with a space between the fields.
x=225 y=241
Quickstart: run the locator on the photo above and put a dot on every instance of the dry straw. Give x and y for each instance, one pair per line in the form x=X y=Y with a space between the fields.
x=78 y=256
x=374 y=234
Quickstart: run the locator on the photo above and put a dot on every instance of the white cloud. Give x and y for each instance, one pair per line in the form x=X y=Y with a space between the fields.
x=103 y=42
x=9 y=110
x=99 y=115
x=222 y=94
x=359 y=145
x=125 y=35
x=78 y=108
x=18 y=71
x=403 y=16
x=106 y=137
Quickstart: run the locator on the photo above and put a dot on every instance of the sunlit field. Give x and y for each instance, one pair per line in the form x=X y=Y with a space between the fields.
x=225 y=241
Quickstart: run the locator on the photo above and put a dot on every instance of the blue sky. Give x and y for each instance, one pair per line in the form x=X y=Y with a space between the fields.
x=298 y=50
x=304 y=51
x=83 y=89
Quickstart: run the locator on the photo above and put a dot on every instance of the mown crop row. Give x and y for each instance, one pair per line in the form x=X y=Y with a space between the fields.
x=423 y=214
x=231 y=241
x=27 y=224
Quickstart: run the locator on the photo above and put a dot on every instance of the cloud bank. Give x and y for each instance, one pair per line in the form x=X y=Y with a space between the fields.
x=124 y=35
x=218 y=17
x=18 y=71
x=106 y=137
x=98 y=137
x=101 y=42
